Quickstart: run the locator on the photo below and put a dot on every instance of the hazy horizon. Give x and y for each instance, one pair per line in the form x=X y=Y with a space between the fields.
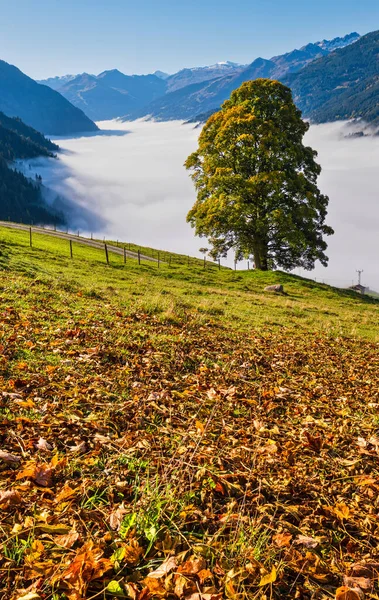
x=128 y=183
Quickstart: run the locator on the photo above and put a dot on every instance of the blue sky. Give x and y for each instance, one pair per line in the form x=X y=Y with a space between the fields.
x=54 y=37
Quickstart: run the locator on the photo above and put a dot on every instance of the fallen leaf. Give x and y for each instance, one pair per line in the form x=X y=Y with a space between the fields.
x=7 y=457
x=269 y=578
x=341 y=511
x=346 y=593
x=306 y=541
x=165 y=568
x=115 y=589
x=365 y=583
x=67 y=540
x=43 y=445
x=282 y=540
x=9 y=498
x=40 y=473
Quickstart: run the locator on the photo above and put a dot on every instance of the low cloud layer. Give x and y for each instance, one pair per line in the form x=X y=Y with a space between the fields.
x=129 y=183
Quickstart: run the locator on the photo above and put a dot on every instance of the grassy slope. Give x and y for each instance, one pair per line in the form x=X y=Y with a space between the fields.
x=182 y=413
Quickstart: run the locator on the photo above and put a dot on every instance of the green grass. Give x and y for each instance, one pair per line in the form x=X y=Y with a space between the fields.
x=234 y=298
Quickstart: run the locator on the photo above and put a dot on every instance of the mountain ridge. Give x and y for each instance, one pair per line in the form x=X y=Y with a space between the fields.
x=38 y=105
x=113 y=94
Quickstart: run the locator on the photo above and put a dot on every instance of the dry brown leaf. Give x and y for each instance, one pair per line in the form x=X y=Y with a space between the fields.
x=165 y=568
x=67 y=540
x=192 y=566
x=184 y=586
x=341 y=511
x=40 y=473
x=9 y=498
x=65 y=493
x=306 y=541
x=9 y=458
x=43 y=445
x=116 y=516
x=282 y=540
x=346 y=593
x=154 y=587
x=87 y=565
x=365 y=583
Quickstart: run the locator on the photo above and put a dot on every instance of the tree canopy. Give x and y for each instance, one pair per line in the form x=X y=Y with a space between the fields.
x=257 y=183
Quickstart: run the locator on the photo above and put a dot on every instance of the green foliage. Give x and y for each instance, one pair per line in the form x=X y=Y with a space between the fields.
x=257 y=182
x=20 y=197
x=343 y=85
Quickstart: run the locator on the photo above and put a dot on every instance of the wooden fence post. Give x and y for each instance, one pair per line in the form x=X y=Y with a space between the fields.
x=219 y=264
x=204 y=263
x=106 y=253
x=78 y=233
x=124 y=255
x=139 y=257
x=30 y=237
x=158 y=259
x=248 y=266
x=70 y=248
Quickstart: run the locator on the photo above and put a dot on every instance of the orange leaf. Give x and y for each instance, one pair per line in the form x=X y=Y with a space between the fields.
x=41 y=474
x=282 y=539
x=346 y=593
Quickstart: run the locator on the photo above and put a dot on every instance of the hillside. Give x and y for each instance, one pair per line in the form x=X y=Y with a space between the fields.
x=21 y=198
x=110 y=94
x=204 y=96
x=38 y=105
x=343 y=85
x=176 y=432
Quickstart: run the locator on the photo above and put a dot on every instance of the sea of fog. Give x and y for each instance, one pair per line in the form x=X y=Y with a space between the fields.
x=128 y=182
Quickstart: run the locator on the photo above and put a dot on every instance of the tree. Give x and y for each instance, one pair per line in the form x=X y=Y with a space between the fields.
x=257 y=183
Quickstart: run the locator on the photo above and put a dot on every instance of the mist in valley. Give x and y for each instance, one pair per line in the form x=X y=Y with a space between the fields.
x=129 y=183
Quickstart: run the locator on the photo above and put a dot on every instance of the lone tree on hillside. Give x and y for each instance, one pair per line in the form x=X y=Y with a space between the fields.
x=257 y=183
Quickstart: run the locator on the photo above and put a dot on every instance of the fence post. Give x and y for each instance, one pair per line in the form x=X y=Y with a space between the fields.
x=219 y=264
x=70 y=248
x=106 y=253
x=30 y=237
x=248 y=266
x=158 y=259
x=139 y=257
x=124 y=255
x=204 y=262
x=235 y=265
x=91 y=236
x=78 y=233
x=188 y=261
x=169 y=260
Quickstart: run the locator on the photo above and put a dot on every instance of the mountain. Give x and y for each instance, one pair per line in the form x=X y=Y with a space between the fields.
x=39 y=106
x=56 y=82
x=207 y=95
x=20 y=197
x=161 y=74
x=339 y=42
x=110 y=94
x=198 y=74
x=342 y=85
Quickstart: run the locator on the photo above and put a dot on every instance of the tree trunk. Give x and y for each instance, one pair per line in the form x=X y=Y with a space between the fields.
x=260 y=251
